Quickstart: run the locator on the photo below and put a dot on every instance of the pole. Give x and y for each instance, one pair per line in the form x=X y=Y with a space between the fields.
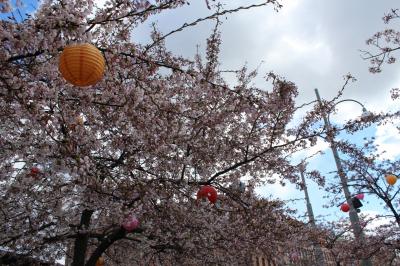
x=354 y=219
x=319 y=256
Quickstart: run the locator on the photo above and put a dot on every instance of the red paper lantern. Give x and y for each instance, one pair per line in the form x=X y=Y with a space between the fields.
x=34 y=172
x=207 y=192
x=360 y=196
x=345 y=207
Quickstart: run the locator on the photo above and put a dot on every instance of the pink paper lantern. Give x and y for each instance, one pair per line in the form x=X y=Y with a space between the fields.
x=130 y=223
x=295 y=256
x=360 y=196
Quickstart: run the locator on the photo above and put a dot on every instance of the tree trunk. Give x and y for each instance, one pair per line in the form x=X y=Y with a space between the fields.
x=396 y=215
x=108 y=241
x=82 y=239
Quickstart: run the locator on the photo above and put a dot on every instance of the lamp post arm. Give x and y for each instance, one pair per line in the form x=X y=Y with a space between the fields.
x=364 y=110
x=352 y=100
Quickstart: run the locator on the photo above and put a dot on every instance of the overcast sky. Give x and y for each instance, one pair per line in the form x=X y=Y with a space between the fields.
x=312 y=43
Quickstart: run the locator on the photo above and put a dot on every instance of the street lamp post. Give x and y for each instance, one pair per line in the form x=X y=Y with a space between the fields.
x=309 y=207
x=318 y=251
x=354 y=219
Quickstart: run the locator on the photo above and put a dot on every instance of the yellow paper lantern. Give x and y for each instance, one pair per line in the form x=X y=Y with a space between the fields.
x=82 y=65
x=100 y=261
x=391 y=179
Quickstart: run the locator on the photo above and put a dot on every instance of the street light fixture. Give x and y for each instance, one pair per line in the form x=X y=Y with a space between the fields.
x=365 y=112
x=354 y=219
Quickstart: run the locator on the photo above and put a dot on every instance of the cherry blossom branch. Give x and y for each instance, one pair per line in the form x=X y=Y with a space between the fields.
x=369 y=55
x=253 y=158
x=213 y=16
x=107 y=241
x=13 y=238
x=134 y=13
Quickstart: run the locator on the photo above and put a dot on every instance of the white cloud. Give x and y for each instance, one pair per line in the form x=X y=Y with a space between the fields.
x=374 y=221
x=320 y=146
x=291 y=50
x=387 y=138
x=276 y=190
x=290 y=6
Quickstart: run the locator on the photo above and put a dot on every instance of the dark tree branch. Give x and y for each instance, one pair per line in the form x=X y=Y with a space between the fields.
x=118 y=234
x=104 y=245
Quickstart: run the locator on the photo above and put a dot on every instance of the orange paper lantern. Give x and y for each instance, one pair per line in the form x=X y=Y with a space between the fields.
x=100 y=261
x=391 y=179
x=82 y=65
x=79 y=120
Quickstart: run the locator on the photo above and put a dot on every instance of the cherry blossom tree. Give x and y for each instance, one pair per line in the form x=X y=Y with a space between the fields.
x=76 y=162
x=385 y=44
